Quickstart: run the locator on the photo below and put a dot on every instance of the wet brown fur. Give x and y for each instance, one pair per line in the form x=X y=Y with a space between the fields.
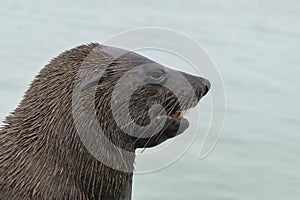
x=41 y=156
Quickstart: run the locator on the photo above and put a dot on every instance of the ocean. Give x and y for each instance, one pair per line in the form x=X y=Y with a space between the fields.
x=254 y=45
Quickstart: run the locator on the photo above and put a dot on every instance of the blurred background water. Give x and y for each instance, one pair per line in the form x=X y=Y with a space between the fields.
x=255 y=45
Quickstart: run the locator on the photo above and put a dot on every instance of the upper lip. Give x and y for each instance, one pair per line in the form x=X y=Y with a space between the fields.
x=175 y=109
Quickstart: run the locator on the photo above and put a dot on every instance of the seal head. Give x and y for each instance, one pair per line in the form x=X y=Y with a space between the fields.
x=147 y=100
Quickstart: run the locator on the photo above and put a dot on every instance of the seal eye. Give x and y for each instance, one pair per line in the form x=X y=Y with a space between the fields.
x=157 y=75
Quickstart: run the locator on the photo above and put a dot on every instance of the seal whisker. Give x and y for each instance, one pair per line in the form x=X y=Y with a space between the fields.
x=63 y=140
x=156 y=128
x=151 y=138
x=158 y=137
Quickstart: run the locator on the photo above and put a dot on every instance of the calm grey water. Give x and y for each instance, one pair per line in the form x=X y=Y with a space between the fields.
x=255 y=45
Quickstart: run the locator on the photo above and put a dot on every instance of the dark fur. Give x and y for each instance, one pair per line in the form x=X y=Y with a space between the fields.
x=42 y=157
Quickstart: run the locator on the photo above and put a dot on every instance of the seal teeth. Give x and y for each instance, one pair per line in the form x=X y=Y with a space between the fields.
x=180 y=116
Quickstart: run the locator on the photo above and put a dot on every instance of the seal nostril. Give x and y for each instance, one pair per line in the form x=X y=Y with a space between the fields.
x=206 y=90
x=206 y=84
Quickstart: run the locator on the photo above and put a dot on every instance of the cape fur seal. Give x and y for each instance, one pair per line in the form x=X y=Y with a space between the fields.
x=42 y=153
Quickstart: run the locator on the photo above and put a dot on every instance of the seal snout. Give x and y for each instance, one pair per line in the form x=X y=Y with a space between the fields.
x=206 y=86
x=200 y=85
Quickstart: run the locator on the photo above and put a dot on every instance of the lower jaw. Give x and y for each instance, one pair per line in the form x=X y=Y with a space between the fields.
x=181 y=123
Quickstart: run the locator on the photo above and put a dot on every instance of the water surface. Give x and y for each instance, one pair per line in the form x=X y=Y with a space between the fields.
x=255 y=45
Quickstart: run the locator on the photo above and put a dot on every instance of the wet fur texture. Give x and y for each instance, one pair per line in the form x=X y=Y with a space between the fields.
x=42 y=157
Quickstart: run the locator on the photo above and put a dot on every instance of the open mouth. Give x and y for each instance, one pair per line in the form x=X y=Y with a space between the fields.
x=174 y=110
x=177 y=114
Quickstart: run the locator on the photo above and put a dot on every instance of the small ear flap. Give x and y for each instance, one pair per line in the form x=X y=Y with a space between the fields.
x=93 y=80
x=91 y=83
